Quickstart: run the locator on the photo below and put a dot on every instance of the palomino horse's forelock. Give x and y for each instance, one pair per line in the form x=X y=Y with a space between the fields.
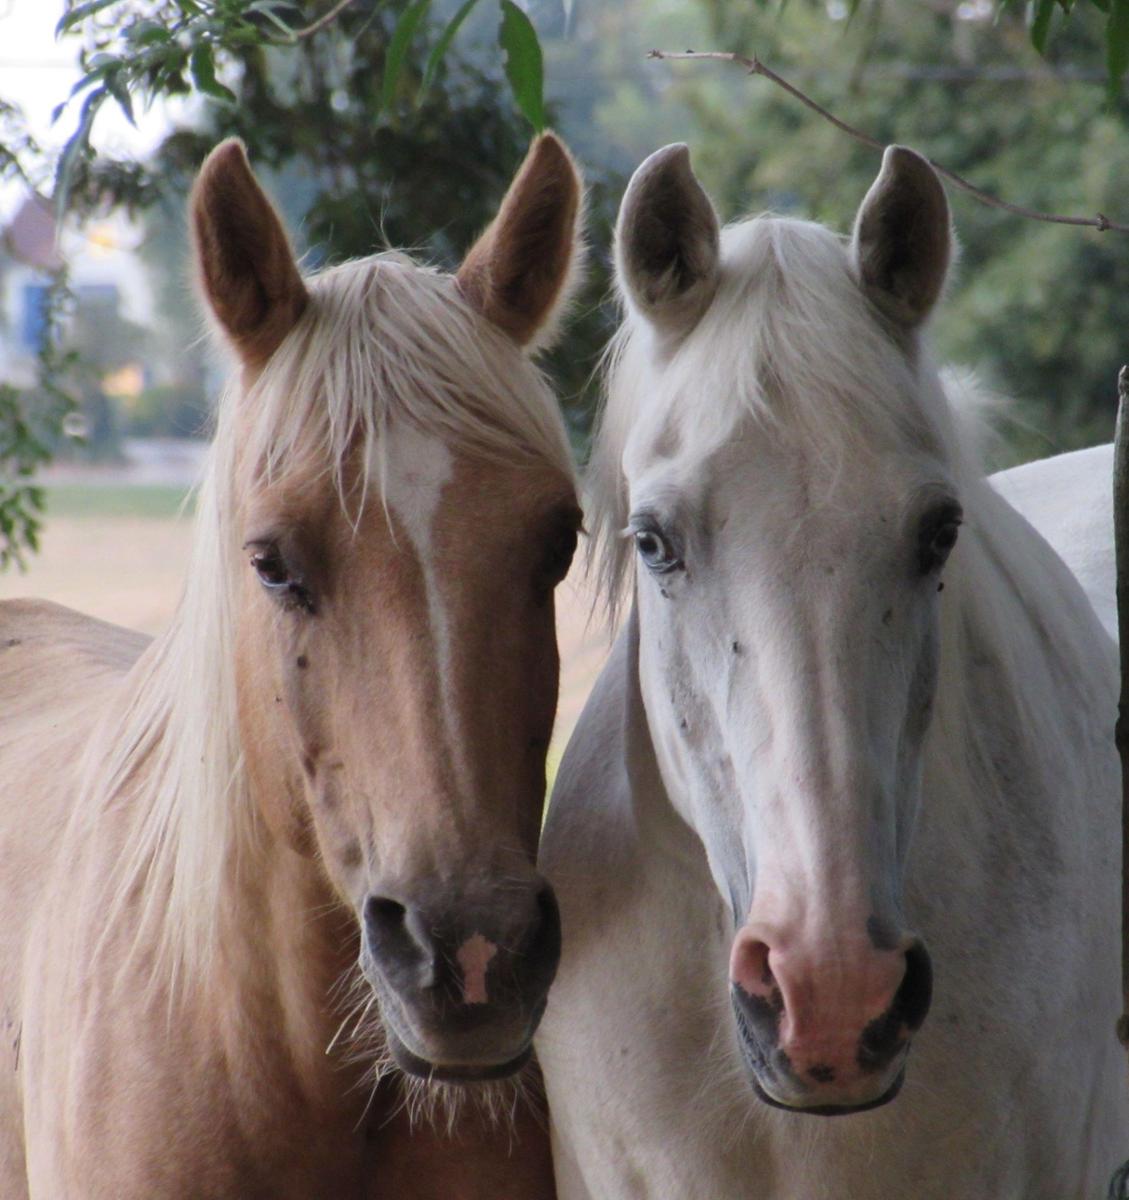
x=381 y=340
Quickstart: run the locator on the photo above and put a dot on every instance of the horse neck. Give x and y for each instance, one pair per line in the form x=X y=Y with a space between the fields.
x=288 y=948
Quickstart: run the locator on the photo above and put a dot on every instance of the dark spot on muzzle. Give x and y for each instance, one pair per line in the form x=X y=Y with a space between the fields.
x=886 y=1035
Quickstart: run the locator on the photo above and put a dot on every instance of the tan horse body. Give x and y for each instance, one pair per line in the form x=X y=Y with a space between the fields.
x=374 y=695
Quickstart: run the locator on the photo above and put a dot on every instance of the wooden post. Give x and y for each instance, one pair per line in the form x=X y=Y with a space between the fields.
x=1121 y=543
x=1119 y=1185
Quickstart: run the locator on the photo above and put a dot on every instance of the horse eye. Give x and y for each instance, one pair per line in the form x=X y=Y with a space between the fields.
x=938 y=539
x=655 y=551
x=278 y=579
x=561 y=554
x=270 y=567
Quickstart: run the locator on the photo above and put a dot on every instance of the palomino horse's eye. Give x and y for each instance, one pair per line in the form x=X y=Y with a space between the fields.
x=559 y=556
x=938 y=536
x=656 y=553
x=277 y=578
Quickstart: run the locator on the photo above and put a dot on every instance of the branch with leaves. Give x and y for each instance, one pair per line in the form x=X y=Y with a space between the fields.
x=753 y=66
x=180 y=46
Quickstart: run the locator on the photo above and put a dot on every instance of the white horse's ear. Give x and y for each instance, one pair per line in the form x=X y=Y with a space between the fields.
x=246 y=267
x=522 y=270
x=903 y=240
x=667 y=242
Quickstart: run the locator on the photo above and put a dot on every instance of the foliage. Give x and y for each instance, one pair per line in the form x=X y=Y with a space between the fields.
x=156 y=48
x=30 y=425
x=1041 y=17
x=1039 y=311
x=302 y=91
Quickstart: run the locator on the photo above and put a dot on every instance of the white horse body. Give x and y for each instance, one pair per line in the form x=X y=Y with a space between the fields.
x=1069 y=500
x=1015 y=1087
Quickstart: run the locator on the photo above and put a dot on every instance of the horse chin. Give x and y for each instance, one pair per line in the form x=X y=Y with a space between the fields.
x=459 y=1073
x=801 y=1108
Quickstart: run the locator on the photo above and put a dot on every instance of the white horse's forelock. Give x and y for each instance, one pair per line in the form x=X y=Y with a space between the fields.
x=381 y=340
x=789 y=342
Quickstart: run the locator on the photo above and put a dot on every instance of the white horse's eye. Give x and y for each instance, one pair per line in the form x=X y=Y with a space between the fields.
x=938 y=537
x=655 y=552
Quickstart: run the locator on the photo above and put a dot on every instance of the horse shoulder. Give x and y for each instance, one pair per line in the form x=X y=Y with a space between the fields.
x=57 y=668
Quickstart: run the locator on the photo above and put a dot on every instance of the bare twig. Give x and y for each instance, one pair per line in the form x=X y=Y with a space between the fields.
x=322 y=21
x=754 y=66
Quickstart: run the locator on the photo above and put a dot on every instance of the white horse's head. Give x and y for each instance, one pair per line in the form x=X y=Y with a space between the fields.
x=778 y=453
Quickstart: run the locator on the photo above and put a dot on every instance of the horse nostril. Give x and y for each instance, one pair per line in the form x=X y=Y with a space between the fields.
x=398 y=941
x=543 y=942
x=384 y=918
x=915 y=992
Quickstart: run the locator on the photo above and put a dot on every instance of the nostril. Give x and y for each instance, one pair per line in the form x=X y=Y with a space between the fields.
x=915 y=993
x=547 y=910
x=384 y=916
x=397 y=941
x=543 y=942
x=750 y=968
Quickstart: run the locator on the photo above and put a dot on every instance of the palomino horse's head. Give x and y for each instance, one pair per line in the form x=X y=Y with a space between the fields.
x=776 y=452
x=401 y=507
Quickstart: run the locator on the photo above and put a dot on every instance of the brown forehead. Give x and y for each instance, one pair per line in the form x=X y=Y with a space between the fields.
x=485 y=503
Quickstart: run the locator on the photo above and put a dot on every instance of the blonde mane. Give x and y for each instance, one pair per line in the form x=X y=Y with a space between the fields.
x=381 y=340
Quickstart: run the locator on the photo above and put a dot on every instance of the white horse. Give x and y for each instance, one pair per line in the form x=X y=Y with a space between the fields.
x=1069 y=500
x=819 y=811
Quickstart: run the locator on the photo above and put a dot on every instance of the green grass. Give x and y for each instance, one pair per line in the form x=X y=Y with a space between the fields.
x=114 y=500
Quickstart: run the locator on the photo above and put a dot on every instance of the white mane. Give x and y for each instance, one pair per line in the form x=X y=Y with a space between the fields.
x=381 y=340
x=787 y=341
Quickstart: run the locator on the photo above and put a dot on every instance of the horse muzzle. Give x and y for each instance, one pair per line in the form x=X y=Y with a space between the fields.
x=827 y=1038
x=462 y=986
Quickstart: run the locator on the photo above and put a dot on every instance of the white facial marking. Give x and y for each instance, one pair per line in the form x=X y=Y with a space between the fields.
x=417 y=469
x=474 y=956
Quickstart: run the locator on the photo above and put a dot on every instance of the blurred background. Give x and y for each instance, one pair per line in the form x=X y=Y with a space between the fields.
x=1038 y=311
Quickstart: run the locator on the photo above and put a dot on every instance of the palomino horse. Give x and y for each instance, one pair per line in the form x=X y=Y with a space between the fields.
x=329 y=772
x=819 y=810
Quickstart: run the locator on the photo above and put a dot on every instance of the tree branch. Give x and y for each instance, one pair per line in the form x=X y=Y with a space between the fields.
x=322 y=21
x=754 y=66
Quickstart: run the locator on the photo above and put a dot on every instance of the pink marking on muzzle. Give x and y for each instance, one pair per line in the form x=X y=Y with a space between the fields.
x=473 y=957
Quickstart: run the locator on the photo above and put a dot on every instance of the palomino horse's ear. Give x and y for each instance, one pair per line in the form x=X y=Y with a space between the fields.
x=520 y=272
x=902 y=240
x=667 y=240
x=243 y=256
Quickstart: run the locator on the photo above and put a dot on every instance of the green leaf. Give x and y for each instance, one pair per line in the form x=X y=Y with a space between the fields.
x=1041 y=24
x=524 y=67
x=398 y=49
x=120 y=93
x=76 y=145
x=146 y=33
x=80 y=12
x=444 y=44
x=1117 y=46
x=202 y=65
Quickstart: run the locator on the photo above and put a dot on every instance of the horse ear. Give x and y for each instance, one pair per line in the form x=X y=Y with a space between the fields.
x=902 y=240
x=246 y=267
x=521 y=271
x=667 y=242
